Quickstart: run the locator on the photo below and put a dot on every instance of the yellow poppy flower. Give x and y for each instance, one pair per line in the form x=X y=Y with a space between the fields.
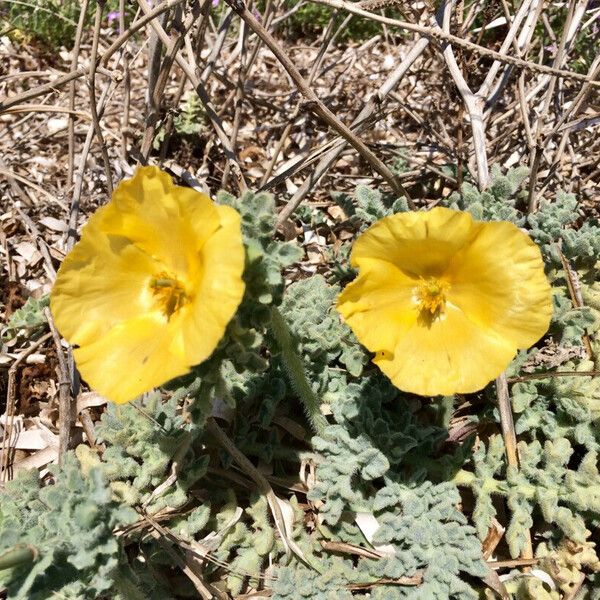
x=151 y=286
x=445 y=301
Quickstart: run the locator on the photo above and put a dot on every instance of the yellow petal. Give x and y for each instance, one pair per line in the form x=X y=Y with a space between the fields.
x=419 y=243
x=221 y=289
x=102 y=281
x=452 y=355
x=379 y=305
x=132 y=358
x=498 y=281
x=445 y=301
x=166 y=221
x=150 y=288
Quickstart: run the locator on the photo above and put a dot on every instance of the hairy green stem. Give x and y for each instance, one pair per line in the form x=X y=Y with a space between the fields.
x=296 y=373
x=464 y=478
x=124 y=584
x=17 y=556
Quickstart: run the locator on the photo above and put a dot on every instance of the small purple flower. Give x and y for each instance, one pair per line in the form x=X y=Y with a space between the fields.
x=113 y=16
x=215 y=2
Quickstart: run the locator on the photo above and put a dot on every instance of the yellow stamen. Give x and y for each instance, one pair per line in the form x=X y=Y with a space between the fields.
x=431 y=295
x=170 y=293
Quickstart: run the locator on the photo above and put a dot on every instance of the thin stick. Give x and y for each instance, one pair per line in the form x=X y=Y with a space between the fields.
x=510 y=441
x=552 y=374
x=11 y=395
x=92 y=85
x=126 y=86
x=74 y=61
x=437 y=34
x=506 y=421
x=65 y=405
x=314 y=102
x=244 y=66
x=511 y=564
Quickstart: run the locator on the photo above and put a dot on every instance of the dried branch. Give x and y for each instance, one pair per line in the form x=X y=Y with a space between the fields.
x=314 y=102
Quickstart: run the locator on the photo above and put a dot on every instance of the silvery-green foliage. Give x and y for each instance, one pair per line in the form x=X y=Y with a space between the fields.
x=498 y=203
x=190 y=118
x=569 y=323
x=429 y=534
x=366 y=472
x=265 y=256
x=544 y=480
x=142 y=441
x=309 y=217
x=309 y=307
x=560 y=407
x=247 y=546
x=368 y=205
x=29 y=318
x=70 y=525
x=553 y=228
x=382 y=452
x=299 y=582
x=346 y=462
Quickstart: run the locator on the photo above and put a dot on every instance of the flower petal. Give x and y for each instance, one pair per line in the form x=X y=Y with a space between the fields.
x=498 y=281
x=447 y=356
x=132 y=358
x=149 y=290
x=221 y=289
x=166 y=221
x=486 y=281
x=379 y=304
x=102 y=281
x=419 y=243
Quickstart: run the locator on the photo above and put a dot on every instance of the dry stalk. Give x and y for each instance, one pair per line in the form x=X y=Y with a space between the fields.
x=92 y=89
x=327 y=40
x=74 y=61
x=202 y=94
x=510 y=441
x=65 y=404
x=261 y=483
x=538 y=148
x=314 y=103
x=364 y=117
x=437 y=34
x=11 y=399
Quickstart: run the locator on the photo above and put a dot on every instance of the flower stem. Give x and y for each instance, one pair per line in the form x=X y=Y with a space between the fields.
x=296 y=373
x=510 y=441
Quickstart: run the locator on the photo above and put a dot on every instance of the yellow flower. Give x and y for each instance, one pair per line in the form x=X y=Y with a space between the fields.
x=444 y=301
x=151 y=286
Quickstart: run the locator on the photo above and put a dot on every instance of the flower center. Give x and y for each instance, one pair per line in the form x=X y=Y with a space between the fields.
x=431 y=295
x=169 y=293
